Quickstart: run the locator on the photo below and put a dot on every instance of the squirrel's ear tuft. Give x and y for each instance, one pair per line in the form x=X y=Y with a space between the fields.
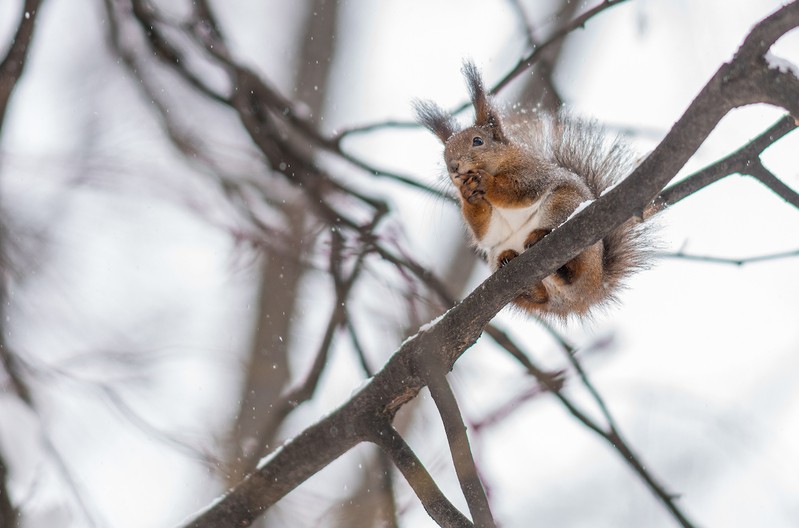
x=435 y=118
x=485 y=114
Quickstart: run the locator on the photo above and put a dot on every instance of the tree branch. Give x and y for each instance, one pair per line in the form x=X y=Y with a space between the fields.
x=534 y=56
x=13 y=63
x=435 y=503
x=462 y=457
x=739 y=162
x=767 y=178
x=9 y=516
x=527 y=62
x=733 y=261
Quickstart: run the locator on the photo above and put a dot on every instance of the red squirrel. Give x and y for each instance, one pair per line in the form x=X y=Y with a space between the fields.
x=520 y=177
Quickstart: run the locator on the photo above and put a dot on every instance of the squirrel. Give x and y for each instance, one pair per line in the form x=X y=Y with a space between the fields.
x=519 y=178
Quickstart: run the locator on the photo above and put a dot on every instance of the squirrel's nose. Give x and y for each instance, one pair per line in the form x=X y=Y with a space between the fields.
x=453 y=165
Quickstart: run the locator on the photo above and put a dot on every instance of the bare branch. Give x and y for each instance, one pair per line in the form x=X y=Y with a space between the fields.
x=13 y=64
x=767 y=178
x=462 y=457
x=435 y=503
x=359 y=350
x=285 y=468
x=533 y=57
x=337 y=319
x=339 y=136
x=588 y=384
x=9 y=516
x=507 y=408
x=116 y=399
x=611 y=435
x=733 y=261
x=740 y=162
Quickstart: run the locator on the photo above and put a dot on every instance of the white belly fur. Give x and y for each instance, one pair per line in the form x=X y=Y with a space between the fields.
x=508 y=229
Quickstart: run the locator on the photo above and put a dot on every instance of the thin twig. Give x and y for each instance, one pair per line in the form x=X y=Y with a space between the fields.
x=359 y=350
x=505 y=409
x=733 y=261
x=521 y=66
x=612 y=436
x=365 y=128
x=13 y=64
x=13 y=368
x=534 y=56
x=305 y=390
x=206 y=458
x=588 y=384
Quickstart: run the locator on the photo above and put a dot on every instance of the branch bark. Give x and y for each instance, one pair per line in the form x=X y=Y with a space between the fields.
x=435 y=503
x=462 y=457
x=741 y=161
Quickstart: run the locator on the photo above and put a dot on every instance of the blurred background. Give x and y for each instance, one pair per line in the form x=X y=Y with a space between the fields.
x=165 y=280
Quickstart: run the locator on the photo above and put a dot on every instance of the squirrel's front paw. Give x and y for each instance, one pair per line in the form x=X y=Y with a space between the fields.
x=472 y=186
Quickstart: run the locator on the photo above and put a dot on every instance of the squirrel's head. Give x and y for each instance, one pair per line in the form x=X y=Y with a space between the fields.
x=466 y=149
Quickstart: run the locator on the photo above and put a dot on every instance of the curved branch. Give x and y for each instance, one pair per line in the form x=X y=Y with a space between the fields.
x=434 y=501
x=461 y=453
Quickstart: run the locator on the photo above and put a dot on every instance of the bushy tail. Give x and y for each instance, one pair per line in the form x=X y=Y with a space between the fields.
x=582 y=147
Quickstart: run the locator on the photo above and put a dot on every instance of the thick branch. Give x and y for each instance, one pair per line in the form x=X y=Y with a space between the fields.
x=287 y=467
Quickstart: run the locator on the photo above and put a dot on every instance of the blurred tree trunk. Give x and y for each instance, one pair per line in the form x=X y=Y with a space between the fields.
x=538 y=88
x=8 y=515
x=11 y=69
x=267 y=371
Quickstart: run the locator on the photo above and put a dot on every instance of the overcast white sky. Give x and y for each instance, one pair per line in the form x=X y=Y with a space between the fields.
x=701 y=370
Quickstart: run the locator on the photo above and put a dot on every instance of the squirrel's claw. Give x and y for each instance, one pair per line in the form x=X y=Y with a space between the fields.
x=472 y=185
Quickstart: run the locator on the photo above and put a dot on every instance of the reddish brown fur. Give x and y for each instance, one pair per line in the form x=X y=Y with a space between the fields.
x=534 y=236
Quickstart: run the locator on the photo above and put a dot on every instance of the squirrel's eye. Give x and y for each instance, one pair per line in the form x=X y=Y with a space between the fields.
x=477 y=141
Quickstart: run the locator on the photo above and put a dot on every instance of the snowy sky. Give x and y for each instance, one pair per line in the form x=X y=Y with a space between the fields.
x=700 y=371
